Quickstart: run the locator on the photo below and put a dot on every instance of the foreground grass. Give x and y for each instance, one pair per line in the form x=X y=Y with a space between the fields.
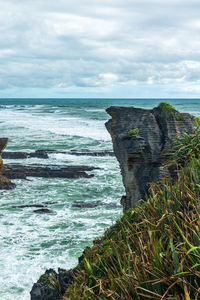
x=153 y=251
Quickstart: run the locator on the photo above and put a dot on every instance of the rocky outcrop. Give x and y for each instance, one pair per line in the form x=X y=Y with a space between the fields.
x=17 y=171
x=141 y=139
x=5 y=183
x=43 y=154
x=52 y=285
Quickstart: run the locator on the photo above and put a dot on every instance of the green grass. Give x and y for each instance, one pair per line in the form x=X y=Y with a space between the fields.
x=153 y=251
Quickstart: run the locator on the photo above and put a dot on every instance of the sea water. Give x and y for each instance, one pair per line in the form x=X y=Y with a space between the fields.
x=30 y=243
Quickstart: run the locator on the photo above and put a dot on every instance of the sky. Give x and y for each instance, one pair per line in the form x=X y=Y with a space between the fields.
x=100 y=48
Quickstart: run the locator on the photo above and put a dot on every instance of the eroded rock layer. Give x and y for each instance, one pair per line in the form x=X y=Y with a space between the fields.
x=5 y=183
x=140 y=139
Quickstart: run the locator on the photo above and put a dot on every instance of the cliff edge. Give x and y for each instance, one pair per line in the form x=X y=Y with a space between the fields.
x=140 y=139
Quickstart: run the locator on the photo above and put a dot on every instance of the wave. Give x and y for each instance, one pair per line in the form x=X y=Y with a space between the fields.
x=55 y=123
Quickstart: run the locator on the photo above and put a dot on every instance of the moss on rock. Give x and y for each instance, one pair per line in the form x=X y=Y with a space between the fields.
x=168 y=111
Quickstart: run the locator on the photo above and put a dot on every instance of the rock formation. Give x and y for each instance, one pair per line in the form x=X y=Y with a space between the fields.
x=44 y=154
x=140 y=139
x=17 y=171
x=5 y=183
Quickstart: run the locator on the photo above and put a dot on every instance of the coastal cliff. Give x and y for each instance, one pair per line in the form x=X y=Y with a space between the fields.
x=146 y=252
x=141 y=139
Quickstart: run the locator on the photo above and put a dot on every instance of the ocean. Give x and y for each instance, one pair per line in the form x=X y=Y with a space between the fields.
x=30 y=243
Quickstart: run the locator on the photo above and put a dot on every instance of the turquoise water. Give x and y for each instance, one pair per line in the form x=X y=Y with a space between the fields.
x=31 y=243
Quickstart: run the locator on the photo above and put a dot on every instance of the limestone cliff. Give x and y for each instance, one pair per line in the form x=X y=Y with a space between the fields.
x=5 y=183
x=140 y=139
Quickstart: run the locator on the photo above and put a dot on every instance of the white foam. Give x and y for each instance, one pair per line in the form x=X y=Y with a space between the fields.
x=56 y=123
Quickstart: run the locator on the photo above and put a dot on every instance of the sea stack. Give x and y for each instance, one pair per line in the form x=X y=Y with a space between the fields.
x=5 y=183
x=141 y=138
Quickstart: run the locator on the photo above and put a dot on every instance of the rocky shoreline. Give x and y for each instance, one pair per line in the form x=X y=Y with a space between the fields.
x=23 y=171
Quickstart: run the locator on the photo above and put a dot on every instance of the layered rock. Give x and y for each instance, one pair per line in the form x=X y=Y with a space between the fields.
x=17 y=171
x=140 y=139
x=5 y=183
x=44 y=153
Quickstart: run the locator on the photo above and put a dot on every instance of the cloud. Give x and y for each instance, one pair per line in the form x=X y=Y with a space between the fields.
x=99 y=44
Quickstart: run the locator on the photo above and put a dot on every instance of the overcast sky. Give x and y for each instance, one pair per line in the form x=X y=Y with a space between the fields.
x=99 y=48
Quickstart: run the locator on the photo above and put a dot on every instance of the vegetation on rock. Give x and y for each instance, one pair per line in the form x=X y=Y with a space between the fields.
x=153 y=251
x=134 y=131
x=169 y=112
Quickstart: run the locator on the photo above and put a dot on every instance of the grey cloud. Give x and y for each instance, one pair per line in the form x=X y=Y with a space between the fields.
x=56 y=44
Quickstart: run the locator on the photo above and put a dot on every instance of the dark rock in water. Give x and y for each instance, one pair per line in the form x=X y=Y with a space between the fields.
x=43 y=211
x=23 y=155
x=43 y=154
x=38 y=154
x=140 y=139
x=27 y=205
x=14 y=155
x=81 y=204
x=81 y=152
x=3 y=144
x=14 y=174
x=52 y=285
x=5 y=183
x=91 y=153
x=17 y=171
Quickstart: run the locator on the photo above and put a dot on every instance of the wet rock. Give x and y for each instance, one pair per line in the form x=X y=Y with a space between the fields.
x=38 y=154
x=23 y=155
x=141 y=155
x=91 y=153
x=43 y=211
x=81 y=152
x=28 y=205
x=3 y=144
x=5 y=183
x=17 y=171
x=52 y=285
x=14 y=155
x=43 y=154
x=81 y=204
